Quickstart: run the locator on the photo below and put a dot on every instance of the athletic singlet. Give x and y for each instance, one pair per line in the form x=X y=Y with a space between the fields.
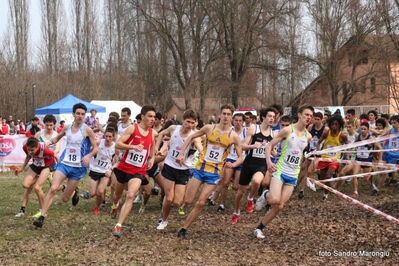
x=362 y=153
x=316 y=134
x=233 y=153
x=102 y=161
x=76 y=147
x=122 y=129
x=135 y=161
x=175 y=144
x=292 y=151
x=43 y=157
x=329 y=142
x=42 y=138
x=215 y=151
x=352 y=139
x=392 y=143
x=258 y=137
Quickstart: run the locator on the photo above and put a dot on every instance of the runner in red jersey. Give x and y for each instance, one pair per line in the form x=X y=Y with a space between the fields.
x=36 y=176
x=138 y=143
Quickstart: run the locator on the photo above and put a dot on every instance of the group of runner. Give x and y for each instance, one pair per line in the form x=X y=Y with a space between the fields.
x=268 y=156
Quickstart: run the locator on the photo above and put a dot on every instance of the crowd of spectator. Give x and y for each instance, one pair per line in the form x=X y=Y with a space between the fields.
x=17 y=127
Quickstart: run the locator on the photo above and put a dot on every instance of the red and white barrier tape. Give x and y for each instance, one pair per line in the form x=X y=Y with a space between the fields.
x=383 y=165
x=310 y=182
x=352 y=145
x=387 y=150
x=358 y=175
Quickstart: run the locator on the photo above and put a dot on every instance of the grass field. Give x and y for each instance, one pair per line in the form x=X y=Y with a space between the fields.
x=307 y=232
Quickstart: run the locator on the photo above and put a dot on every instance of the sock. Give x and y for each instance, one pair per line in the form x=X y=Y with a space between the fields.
x=260 y=226
x=23 y=209
x=222 y=205
x=63 y=187
x=265 y=196
x=249 y=199
x=118 y=225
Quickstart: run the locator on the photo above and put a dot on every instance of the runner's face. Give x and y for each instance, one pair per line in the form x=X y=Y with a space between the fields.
x=335 y=126
x=284 y=124
x=31 y=150
x=189 y=123
x=317 y=121
x=379 y=126
x=247 y=120
x=225 y=116
x=306 y=116
x=349 y=117
x=79 y=115
x=148 y=118
x=364 y=131
x=49 y=126
x=395 y=124
x=157 y=122
x=371 y=117
x=237 y=122
x=270 y=116
x=109 y=137
x=349 y=128
x=124 y=117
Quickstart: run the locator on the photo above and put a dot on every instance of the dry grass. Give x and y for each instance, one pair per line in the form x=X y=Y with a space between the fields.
x=74 y=236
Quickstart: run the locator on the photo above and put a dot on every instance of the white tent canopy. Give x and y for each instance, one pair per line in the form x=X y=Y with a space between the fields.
x=117 y=106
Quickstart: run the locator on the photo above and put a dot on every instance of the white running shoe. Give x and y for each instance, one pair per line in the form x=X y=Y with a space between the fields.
x=19 y=214
x=138 y=199
x=261 y=202
x=258 y=233
x=162 y=225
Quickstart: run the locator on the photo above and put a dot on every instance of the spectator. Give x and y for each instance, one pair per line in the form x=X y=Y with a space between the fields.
x=175 y=120
x=212 y=120
x=34 y=127
x=21 y=128
x=13 y=128
x=91 y=120
x=9 y=119
x=5 y=128
x=61 y=126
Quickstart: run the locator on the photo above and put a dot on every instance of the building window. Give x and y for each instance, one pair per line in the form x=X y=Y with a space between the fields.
x=364 y=57
x=373 y=84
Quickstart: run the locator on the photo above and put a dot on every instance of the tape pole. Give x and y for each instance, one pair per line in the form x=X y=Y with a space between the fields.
x=358 y=175
x=354 y=201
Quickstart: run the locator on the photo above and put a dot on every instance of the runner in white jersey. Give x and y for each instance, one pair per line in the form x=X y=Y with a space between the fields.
x=176 y=175
x=294 y=140
x=73 y=161
x=229 y=173
x=101 y=167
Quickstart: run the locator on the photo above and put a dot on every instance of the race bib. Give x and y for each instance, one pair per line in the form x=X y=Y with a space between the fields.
x=362 y=152
x=331 y=154
x=394 y=143
x=259 y=152
x=103 y=162
x=136 y=158
x=214 y=153
x=38 y=162
x=72 y=156
x=313 y=143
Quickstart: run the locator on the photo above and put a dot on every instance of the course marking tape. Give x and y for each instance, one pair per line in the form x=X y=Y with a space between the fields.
x=358 y=175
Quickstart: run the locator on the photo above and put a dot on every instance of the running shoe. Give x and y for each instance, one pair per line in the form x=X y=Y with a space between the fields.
x=103 y=204
x=155 y=191
x=117 y=231
x=261 y=202
x=39 y=222
x=268 y=207
x=20 y=213
x=211 y=203
x=50 y=179
x=235 y=218
x=375 y=192
x=38 y=214
x=220 y=209
x=355 y=195
x=96 y=211
x=181 y=233
x=142 y=208
x=138 y=199
x=162 y=225
x=258 y=233
x=301 y=194
x=181 y=211
x=75 y=198
x=250 y=206
x=114 y=212
x=85 y=195
x=325 y=197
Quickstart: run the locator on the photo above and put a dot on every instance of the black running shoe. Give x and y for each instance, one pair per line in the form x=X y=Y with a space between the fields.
x=75 y=198
x=211 y=203
x=39 y=222
x=154 y=192
x=182 y=233
x=220 y=209
x=375 y=192
x=301 y=194
x=268 y=207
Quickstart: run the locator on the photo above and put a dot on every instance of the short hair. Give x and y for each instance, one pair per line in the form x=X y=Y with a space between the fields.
x=167 y=124
x=115 y=114
x=364 y=116
x=93 y=110
x=79 y=106
x=127 y=110
x=263 y=112
x=240 y=115
x=158 y=116
x=337 y=118
x=138 y=117
x=32 y=142
x=279 y=108
x=248 y=114
x=318 y=114
x=286 y=118
x=304 y=107
x=365 y=124
x=373 y=112
x=62 y=122
x=49 y=118
x=113 y=126
x=351 y=111
x=350 y=123
x=381 y=121
x=147 y=108
x=111 y=129
x=395 y=118
x=112 y=119
x=190 y=114
x=386 y=116
x=227 y=106
x=35 y=118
